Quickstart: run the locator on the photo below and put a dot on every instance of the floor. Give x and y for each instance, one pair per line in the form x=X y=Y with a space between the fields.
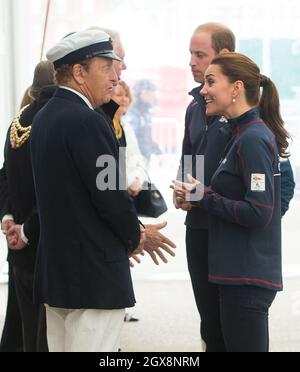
x=165 y=304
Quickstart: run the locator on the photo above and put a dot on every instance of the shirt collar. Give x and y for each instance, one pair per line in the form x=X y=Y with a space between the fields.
x=84 y=98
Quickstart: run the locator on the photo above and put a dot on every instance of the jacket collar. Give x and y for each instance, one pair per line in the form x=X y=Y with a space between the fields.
x=110 y=109
x=195 y=93
x=70 y=96
x=248 y=117
x=85 y=99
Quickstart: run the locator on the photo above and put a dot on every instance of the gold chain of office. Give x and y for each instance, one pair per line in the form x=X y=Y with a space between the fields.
x=18 y=134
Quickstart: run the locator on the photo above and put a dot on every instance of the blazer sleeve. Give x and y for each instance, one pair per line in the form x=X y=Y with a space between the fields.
x=287 y=186
x=89 y=142
x=256 y=160
x=32 y=227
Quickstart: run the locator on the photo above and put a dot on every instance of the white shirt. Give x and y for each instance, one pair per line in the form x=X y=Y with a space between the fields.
x=135 y=165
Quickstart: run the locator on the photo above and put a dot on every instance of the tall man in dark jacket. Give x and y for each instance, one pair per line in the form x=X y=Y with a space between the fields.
x=83 y=275
x=206 y=136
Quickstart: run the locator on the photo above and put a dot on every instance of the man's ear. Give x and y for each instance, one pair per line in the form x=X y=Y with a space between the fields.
x=79 y=74
x=224 y=50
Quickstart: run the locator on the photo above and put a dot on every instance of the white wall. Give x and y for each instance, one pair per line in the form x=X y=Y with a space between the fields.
x=7 y=90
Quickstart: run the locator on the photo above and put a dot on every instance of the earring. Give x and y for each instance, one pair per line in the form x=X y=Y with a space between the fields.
x=234 y=100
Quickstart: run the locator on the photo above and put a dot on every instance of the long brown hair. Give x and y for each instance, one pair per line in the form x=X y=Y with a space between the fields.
x=43 y=76
x=26 y=100
x=236 y=67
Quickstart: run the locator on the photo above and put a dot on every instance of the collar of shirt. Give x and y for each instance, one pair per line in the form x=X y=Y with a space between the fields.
x=80 y=95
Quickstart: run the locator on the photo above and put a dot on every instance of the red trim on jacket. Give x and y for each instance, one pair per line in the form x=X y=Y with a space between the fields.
x=245 y=280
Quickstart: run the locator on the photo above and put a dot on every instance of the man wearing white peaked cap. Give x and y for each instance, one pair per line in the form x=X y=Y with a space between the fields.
x=83 y=274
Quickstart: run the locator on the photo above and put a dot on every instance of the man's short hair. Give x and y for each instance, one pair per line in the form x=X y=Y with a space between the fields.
x=64 y=73
x=222 y=37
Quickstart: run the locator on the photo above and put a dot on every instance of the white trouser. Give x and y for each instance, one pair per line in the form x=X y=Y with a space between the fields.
x=84 y=330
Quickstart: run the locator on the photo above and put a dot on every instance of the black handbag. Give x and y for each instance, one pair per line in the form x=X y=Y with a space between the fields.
x=150 y=202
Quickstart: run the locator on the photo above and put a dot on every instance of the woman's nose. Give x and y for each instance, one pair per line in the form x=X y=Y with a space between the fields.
x=203 y=91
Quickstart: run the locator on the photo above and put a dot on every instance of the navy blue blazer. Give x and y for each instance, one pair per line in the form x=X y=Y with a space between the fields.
x=86 y=234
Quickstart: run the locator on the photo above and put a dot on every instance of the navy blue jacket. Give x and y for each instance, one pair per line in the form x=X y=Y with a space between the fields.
x=209 y=136
x=86 y=234
x=206 y=136
x=245 y=210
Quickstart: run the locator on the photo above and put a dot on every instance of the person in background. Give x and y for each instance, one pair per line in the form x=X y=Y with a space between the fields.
x=20 y=221
x=156 y=244
x=27 y=99
x=32 y=92
x=12 y=334
x=140 y=117
x=135 y=166
x=244 y=200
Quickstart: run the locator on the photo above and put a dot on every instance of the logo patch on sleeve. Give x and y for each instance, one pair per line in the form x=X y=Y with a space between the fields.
x=258 y=182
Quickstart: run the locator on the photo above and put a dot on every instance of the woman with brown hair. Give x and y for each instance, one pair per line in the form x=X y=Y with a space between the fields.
x=26 y=100
x=244 y=200
x=43 y=76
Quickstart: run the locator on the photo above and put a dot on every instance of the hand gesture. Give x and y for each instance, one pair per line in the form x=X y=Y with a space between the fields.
x=180 y=202
x=139 y=251
x=156 y=243
x=182 y=192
